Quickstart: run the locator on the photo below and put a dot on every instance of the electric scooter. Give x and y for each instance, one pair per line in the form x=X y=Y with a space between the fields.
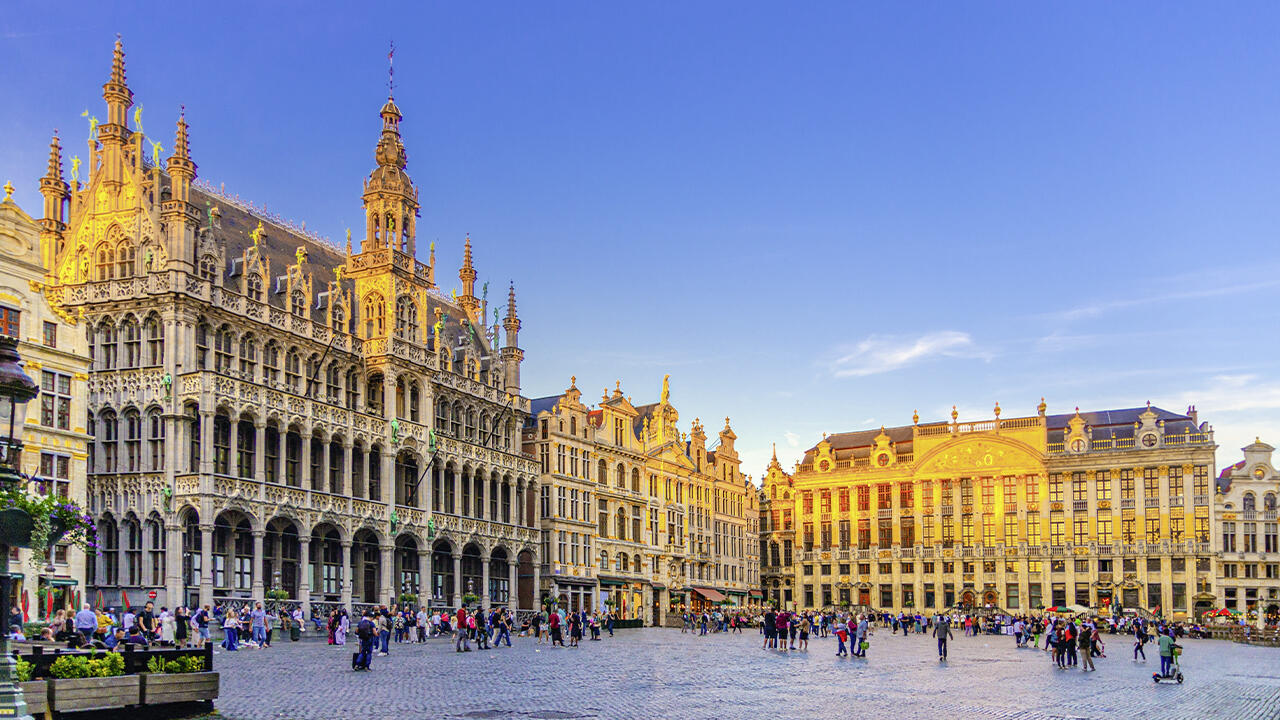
x=1175 y=675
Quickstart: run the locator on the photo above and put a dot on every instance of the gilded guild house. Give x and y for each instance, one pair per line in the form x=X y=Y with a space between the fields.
x=1107 y=510
x=273 y=413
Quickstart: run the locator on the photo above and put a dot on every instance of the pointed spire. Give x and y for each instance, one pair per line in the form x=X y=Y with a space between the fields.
x=467 y=274
x=511 y=302
x=775 y=454
x=181 y=143
x=117 y=63
x=54 y=172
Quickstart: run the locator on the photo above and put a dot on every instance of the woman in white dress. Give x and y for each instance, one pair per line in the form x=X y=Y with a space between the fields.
x=167 y=626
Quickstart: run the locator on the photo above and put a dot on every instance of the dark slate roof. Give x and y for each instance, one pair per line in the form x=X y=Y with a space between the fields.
x=866 y=438
x=1103 y=418
x=642 y=412
x=280 y=245
x=1223 y=482
x=1119 y=423
x=537 y=405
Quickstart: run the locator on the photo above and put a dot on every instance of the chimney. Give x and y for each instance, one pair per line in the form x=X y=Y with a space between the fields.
x=1191 y=412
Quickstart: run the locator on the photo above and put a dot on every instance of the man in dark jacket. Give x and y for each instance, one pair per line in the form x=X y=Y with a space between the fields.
x=366 y=631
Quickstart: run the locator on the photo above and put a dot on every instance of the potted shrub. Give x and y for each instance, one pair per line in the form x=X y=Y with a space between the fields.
x=182 y=680
x=35 y=692
x=470 y=599
x=92 y=681
x=408 y=598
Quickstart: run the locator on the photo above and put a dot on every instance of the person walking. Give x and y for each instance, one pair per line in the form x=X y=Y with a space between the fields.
x=258 y=624
x=461 y=642
x=231 y=631
x=1139 y=641
x=1086 y=648
x=366 y=631
x=860 y=637
x=384 y=632
x=942 y=631
x=1167 y=646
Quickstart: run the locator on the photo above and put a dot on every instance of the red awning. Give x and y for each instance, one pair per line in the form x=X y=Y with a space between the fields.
x=711 y=595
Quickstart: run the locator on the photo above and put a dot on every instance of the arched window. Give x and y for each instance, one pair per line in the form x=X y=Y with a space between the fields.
x=442 y=415
x=1249 y=503
x=1269 y=501
x=415 y=397
x=155 y=439
x=209 y=268
x=338 y=318
x=635 y=479
x=471 y=423
x=621 y=477
x=248 y=356
x=455 y=420
x=297 y=303
x=292 y=370
x=132 y=342
x=222 y=349
x=406 y=318
x=271 y=363
x=602 y=472
x=132 y=441
x=621 y=525
x=110 y=436
x=154 y=331
x=106 y=267
x=333 y=383
x=253 y=285
x=626 y=562
x=107 y=338
x=374 y=315
x=353 y=389
x=202 y=345
x=125 y=256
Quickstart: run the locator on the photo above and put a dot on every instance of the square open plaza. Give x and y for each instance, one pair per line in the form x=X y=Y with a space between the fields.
x=309 y=476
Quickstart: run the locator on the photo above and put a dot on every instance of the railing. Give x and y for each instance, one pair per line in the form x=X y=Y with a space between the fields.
x=1151 y=502
x=1126 y=503
x=1079 y=505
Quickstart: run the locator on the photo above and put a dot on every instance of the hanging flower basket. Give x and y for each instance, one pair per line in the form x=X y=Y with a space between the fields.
x=16 y=527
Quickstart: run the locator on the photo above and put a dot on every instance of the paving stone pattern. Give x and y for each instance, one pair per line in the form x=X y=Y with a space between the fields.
x=661 y=673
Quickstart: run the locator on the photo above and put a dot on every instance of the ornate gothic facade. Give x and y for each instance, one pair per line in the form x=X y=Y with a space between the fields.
x=270 y=412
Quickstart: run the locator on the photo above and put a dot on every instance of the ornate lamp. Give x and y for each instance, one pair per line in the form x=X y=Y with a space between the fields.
x=16 y=390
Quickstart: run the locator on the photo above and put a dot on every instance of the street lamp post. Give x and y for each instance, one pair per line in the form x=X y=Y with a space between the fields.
x=16 y=390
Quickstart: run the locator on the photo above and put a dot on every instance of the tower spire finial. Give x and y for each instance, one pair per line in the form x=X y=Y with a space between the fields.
x=117 y=62
x=391 y=71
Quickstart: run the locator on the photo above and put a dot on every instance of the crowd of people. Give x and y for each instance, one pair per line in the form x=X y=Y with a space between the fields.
x=181 y=627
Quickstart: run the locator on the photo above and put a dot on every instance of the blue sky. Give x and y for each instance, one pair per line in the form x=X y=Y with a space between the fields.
x=816 y=217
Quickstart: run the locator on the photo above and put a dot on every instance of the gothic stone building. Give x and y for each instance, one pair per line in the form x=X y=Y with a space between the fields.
x=271 y=413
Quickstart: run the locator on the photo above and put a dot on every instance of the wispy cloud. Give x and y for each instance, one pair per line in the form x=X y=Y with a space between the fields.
x=881 y=353
x=1235 y=393
x=793 y=439
x=1099 y=308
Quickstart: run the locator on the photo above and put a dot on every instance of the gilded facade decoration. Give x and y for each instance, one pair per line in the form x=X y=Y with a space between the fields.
x=273 y=412
x=1104 y=509
x=636 y=515
x=54 y=438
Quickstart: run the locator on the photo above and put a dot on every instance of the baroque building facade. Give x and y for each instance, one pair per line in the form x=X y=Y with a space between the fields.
x=1244 y=509
x=55 y=442
x=270 y=412
x=1108 y=510
x=638 y=516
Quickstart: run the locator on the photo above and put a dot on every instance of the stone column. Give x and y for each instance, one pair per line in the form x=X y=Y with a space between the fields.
x=206 y=564
x=325 y=479
x=173 y=566
x=346 y=574
x=457 y=492
x=424 y=577
x=259 y=566
x=537 y=583
x=305 y=453
x=388 y=489
x=457 y=579
x=282 y=447
x=233 y=447
x=513 y=581
x=484 y=582
x=347 y=446
x=304 y=587
x=206 y=442
x=388 y=396
x=259 y=450
x=385 y=573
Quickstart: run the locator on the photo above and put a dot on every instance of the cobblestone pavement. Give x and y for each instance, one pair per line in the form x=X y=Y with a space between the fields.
x=660 y=673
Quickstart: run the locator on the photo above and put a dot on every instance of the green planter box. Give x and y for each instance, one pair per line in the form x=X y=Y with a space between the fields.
x=95 y=693
x=160 y=688
x=36 y=695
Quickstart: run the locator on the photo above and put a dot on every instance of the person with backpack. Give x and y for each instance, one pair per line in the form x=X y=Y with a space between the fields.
x=461 y=642
x=366 y=631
